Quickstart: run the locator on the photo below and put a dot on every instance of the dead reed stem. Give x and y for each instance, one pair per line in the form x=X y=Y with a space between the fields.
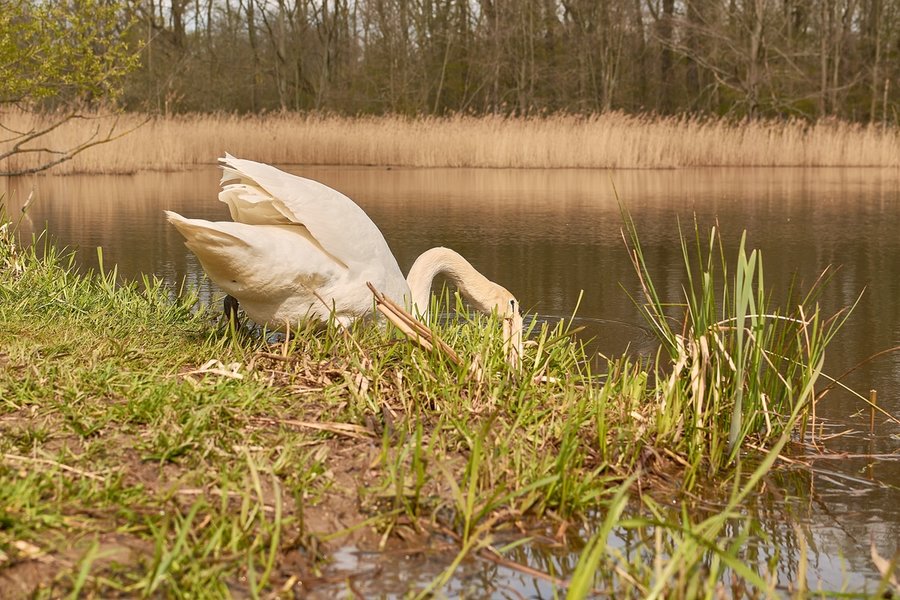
x=610 y=140
x=873 y=400
x=411 y=327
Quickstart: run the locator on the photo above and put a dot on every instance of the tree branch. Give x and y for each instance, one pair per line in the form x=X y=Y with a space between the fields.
x=66 y=154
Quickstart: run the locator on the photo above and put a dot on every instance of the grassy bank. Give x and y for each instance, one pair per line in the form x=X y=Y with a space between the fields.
x=612 y=140
x=147 y=449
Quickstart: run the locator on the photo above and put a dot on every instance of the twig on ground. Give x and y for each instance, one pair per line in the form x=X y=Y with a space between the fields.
x=47 y=461
x=346 y=429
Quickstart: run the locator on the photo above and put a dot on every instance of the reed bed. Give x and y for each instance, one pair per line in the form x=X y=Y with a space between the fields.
x=605 y=141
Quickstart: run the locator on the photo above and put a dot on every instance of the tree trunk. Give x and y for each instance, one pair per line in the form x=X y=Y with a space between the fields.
x=666 y=72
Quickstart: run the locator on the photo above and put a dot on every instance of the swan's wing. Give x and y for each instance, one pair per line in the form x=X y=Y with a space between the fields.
x=259 y=262
x=257 y=193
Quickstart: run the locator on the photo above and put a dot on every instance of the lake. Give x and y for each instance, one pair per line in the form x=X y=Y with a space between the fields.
x=553 y=237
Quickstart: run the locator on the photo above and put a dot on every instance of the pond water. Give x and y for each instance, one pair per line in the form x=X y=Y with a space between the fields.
x=553 y=237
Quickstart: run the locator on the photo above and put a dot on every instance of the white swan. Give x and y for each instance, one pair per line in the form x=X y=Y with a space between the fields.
x=298 y=249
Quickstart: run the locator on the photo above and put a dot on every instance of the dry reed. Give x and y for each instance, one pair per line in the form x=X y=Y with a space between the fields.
x=612 y=140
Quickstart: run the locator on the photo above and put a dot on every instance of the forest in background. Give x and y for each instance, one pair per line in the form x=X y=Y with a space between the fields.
x=68 y=68
x=739 y=58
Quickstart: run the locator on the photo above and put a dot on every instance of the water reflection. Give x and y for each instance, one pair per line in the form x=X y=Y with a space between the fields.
x=553 y=237
x=792 y=527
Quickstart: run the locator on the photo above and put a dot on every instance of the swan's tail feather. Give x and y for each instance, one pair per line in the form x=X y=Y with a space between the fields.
x=199 y=232
x=225 y=256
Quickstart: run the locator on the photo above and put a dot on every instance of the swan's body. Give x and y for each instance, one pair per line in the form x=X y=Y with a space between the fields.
x=298 y=249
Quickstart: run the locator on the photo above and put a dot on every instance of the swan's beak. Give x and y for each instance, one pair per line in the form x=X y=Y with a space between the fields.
x=512 y=338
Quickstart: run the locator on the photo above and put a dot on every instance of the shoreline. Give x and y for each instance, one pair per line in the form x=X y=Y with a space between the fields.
x=208 y=165
x=265 y=458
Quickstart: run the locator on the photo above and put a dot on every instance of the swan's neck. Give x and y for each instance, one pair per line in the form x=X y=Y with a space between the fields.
x=475 y=287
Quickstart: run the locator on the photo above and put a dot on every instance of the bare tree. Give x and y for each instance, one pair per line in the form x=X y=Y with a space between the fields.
x=733 y=57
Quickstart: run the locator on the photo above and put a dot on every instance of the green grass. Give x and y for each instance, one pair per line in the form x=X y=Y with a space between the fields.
x=147 y=449
x=738 y=369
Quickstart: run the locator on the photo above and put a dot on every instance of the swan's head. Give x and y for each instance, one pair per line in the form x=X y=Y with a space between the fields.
x=506 y=306
x=512 y=333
